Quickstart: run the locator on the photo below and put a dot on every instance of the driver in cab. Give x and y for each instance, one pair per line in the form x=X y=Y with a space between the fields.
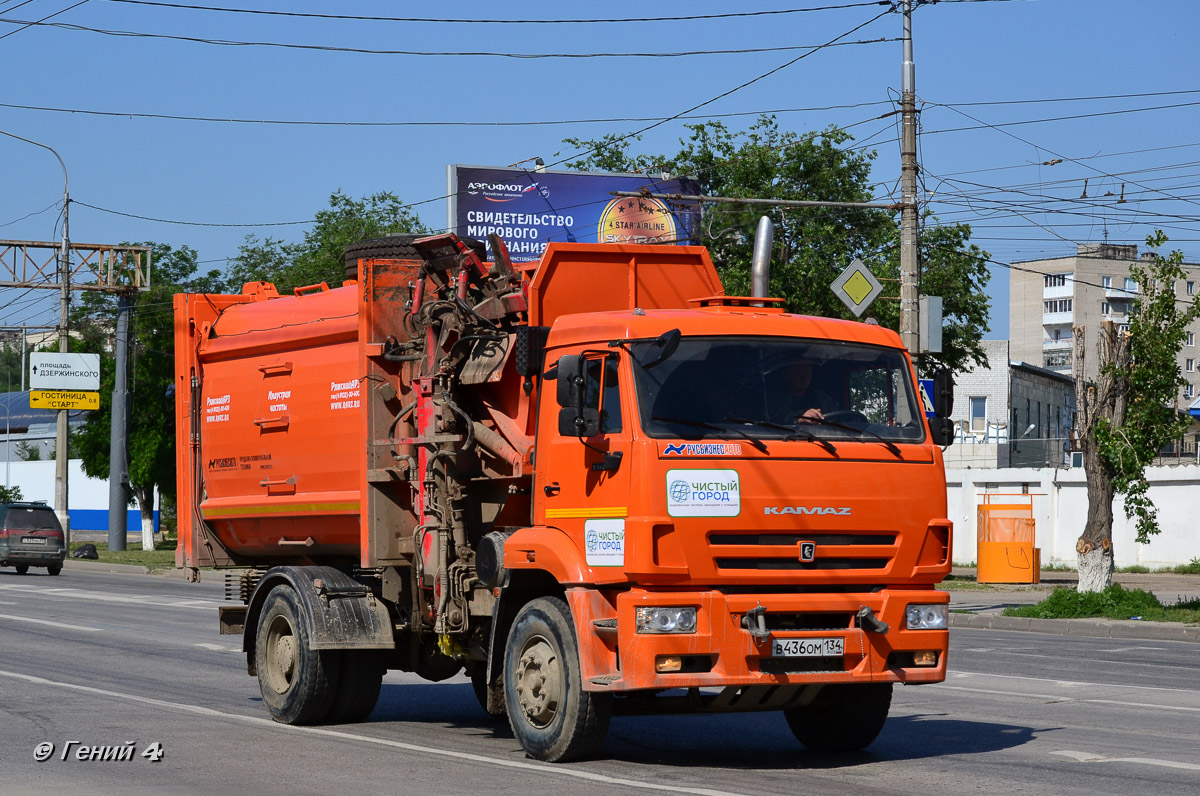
x=799 y=400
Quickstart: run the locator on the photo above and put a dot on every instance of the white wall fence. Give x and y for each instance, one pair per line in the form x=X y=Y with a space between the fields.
x=87 y=498
x=1060 y=507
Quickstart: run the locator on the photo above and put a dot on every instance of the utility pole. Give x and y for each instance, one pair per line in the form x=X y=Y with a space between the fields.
x=62 y=452
x=908 y=191
x=118 y=467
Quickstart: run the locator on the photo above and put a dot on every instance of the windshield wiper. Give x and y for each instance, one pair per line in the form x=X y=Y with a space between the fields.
x=755 y=441
x=793 y=433
x=886 y=443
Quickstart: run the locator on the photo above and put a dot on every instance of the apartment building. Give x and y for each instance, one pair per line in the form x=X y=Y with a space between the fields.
x=1050 y=298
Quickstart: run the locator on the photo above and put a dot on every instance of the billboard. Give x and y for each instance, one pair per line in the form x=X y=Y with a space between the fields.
x=529 y=209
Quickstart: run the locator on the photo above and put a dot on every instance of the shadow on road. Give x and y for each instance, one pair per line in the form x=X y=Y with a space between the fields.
x=734 y=740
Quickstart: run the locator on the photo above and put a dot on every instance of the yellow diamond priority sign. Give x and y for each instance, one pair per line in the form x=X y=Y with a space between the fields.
x=64 y=399
x=857 y=287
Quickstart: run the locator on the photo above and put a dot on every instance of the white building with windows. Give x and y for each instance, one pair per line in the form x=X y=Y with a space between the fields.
x=1050 y=298
x=1011 y=414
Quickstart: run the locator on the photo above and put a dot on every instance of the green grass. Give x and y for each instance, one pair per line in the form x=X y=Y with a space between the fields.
x=963 y=584
x=1115 y=602
x=1190 y=568
x=161 y=558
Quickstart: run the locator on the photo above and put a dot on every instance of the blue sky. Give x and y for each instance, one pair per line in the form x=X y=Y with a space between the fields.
x=1081 y=53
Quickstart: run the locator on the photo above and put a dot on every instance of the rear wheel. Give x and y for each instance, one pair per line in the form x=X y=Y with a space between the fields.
x=551 y=715
x=843 y=718
x=54 y=569
x=297 y=682
x=360 y=676
x=21 y=568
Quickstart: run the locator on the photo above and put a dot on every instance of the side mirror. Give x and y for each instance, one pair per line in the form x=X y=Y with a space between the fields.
x=941 y=431
x=572 y=381
x=575 y=419
x=943 y=393
x=667 y=344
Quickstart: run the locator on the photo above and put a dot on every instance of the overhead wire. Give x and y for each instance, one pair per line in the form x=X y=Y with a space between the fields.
x=417 y=53
x=41 y=21
x=598 y=20
x=427 y=123
x=574 y=156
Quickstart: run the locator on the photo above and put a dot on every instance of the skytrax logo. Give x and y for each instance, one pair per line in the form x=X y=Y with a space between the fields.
x=844 y=511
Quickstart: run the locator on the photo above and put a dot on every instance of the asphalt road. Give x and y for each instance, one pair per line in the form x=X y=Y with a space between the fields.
x=105 y=660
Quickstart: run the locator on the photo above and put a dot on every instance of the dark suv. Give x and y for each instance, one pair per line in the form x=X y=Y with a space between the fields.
x=31 y=536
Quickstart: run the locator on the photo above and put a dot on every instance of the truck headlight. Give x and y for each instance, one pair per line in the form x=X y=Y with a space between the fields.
x=926 y=617
x=666 y=620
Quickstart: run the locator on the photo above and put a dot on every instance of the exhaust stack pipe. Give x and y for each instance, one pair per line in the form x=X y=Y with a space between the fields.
x=760 y=270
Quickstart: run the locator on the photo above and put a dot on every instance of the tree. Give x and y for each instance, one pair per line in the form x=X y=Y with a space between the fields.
x=1128 y=413
x=812 y=245
x=319 y=257
x=10 y=494
x=151 y=426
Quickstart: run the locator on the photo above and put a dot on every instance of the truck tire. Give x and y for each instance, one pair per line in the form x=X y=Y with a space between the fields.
x=551 y=715
x=843 y=718
x=360 y=676
x=479 y=686
x=394 y=247
x=297 y=682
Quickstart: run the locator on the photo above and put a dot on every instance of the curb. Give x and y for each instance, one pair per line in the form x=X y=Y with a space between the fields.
x=1092 y=628
x=120 y=569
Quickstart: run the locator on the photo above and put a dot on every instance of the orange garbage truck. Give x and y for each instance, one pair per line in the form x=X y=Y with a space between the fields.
x=596 y=483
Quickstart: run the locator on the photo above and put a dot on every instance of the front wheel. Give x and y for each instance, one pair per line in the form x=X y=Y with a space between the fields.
x=551 y=715
x=297 y=682
x=843 y=718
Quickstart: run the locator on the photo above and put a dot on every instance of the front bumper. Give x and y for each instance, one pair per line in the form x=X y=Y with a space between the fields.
x=722 y=653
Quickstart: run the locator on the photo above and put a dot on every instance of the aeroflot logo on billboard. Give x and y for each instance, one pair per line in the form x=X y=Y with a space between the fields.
x=503 y=191
x=844 y=511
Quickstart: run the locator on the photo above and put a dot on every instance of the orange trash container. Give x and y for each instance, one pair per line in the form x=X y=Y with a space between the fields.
x=1005 y=540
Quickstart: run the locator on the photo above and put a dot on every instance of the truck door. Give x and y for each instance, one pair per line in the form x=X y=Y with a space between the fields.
x=583 y=483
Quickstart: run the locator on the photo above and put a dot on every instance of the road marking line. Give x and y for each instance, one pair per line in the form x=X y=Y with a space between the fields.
x=540 y=768
x=52 y=624
x=99 y=596
x=960 y=674
x=216 y=647
x=6 y=602
x=1088 y=757
x=1059 y=698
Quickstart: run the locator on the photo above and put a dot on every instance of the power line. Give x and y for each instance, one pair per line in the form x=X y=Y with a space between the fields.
x=561 y=161
x=475 y=123
x=617 y=20
x=191 y=223
x=1047 y=149
x=1040 y=100
x=50 y=206
x=998 y=125
x=421 y=53
x=38 y=22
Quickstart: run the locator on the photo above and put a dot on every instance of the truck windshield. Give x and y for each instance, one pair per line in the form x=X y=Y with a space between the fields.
x=775 y=388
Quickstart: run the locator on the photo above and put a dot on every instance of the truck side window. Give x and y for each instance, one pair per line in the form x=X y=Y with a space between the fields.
x=604 y=393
